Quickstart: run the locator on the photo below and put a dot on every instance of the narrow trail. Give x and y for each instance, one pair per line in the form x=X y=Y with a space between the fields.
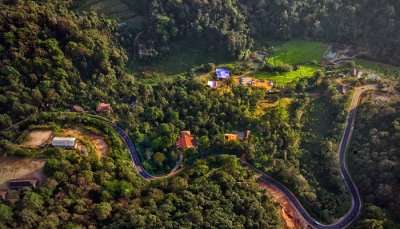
x=343 y=222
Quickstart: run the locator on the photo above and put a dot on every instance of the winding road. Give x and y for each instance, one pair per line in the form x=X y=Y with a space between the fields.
x=343 y=222
x=136 y=160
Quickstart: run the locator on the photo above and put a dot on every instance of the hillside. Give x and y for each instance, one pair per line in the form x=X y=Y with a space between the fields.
x=370 y=26
x=199 y=114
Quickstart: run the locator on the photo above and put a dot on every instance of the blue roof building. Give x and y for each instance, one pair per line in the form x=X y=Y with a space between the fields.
x=222 y=73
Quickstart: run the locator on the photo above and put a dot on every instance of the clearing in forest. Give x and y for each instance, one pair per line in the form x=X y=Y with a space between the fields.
x=297 y=52
x=264 y=105
x=96 y=140
x=20 y=168
x=37 y=138
x=306 y=55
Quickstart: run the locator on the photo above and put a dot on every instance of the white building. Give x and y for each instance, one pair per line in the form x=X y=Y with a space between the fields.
x=64 y=142
x=246 y=81
x=212 y=84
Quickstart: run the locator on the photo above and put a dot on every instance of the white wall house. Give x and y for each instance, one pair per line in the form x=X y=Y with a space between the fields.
x=64 y=142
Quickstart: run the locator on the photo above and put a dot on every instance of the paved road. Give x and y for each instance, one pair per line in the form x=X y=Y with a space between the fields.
x=343 y=222
x=356 y=204
x=136 y=160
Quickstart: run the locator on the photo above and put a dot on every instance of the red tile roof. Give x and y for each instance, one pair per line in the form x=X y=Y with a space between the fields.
x=185 y=141
x=103 y=107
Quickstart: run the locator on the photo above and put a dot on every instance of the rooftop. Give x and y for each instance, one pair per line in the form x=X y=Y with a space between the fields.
x=103 y=107
x=22 y=183
x=222 y=73
x=185 y=140
x=64 y=141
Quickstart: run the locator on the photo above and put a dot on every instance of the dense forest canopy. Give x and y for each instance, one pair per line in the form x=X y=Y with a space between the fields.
x=234 y=25
x=370 y=24
x=53 y=56
x=376 y=161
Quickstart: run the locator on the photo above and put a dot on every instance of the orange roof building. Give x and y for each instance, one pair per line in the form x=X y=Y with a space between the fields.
x=236 y=136
x=185 y=141
x=231 y=137
x=262 y=84
x=103 y=107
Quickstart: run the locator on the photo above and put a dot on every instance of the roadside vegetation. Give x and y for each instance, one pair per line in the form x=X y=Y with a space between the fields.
x=375 y=163
x=380 y=68
x=323 y=119
x=103 y=182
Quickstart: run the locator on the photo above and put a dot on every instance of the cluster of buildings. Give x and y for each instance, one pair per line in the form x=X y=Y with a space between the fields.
x=256 y=83
x=102 y=107
x=61 y=142
x=186 y=139
x=223 y=74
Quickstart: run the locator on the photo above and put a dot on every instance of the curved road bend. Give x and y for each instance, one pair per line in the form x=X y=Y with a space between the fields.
x=356 y=204
x=136 y=160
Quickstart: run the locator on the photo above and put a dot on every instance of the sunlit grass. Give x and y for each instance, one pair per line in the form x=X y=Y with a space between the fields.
x=297 y=52
x=285 y=78
x=305 y=54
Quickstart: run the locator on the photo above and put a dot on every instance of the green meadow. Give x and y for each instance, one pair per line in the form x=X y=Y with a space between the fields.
x=288 y=77
x=305 y=54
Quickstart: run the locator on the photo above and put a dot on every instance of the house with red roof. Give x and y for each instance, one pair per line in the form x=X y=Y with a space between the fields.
x=185 y=141
x=103 y=107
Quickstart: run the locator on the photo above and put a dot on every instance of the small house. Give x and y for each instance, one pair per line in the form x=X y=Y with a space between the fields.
x=23 y=183
x=3 y=194
x=343 y=89
x=237 y=136
x=262 y=84
x=222 y=73
x=246 y=81
x=360 y=75
x=64 y=142
x=185 y=141
x=77 y=108
x=103 y=107
x=212 y=84
x=231 y=137
x=355 y=71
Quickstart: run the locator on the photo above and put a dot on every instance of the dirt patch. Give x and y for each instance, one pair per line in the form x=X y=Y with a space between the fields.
x=288 y=213
x=37 y=138
x=96 y=140
x=20 y=168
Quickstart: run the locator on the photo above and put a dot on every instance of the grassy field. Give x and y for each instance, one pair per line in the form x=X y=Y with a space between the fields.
x=282 y=79
x=297 y=52
x=306 y=54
